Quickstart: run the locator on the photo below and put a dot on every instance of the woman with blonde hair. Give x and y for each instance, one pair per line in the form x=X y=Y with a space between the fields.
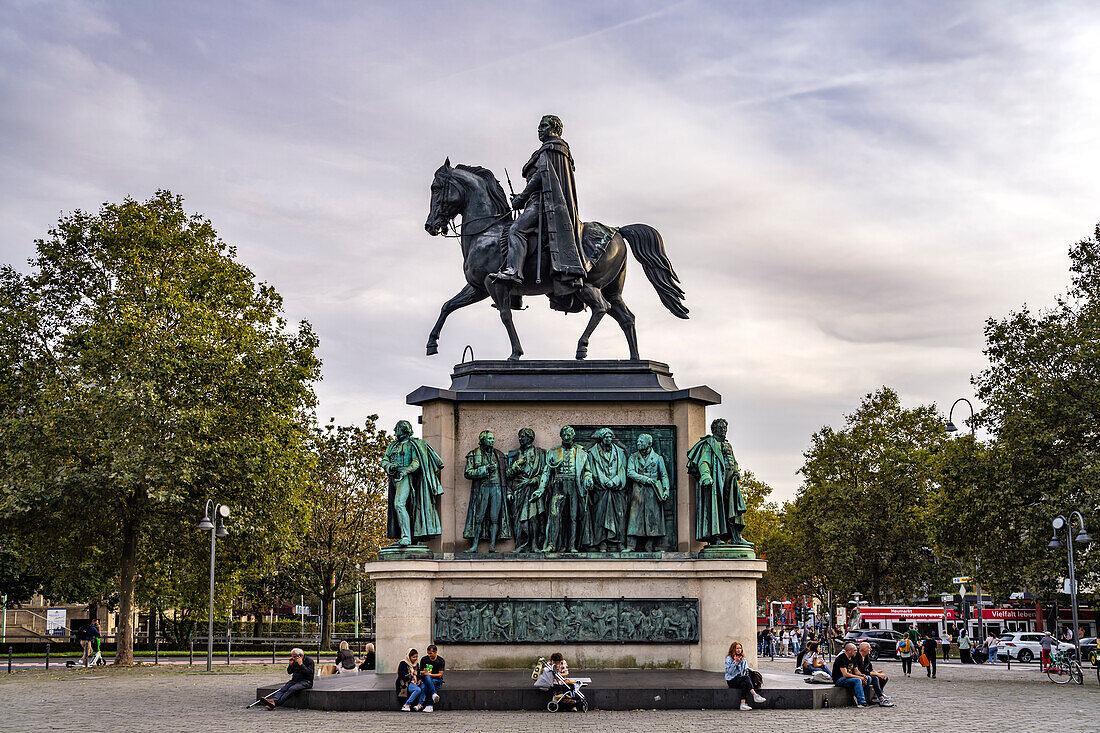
x=738 y=678
x=345 y=659
x=368 y=658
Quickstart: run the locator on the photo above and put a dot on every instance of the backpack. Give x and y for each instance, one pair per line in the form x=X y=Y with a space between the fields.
x=906 y=646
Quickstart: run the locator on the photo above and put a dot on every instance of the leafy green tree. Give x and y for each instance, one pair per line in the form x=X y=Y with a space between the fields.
x=863 y=513
x=143 y=370
x=1042 y=405
x=347 y=504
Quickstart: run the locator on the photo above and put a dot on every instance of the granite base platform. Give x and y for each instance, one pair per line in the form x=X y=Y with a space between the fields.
x=609 y=690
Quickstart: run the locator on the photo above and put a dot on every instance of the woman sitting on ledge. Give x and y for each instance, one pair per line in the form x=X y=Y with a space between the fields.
x=737 y=676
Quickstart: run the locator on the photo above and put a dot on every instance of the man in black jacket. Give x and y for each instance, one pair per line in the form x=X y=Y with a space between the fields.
x=300 y=670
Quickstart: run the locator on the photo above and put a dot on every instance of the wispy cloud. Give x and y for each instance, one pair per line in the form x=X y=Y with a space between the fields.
x=847 y=189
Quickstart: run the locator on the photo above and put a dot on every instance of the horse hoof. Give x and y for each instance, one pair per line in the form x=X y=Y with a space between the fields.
x=582 y=354
x=513 y=357
x=432 y=349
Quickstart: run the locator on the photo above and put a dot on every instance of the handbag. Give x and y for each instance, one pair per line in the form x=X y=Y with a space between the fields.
x=924 y=660
x=757 y=679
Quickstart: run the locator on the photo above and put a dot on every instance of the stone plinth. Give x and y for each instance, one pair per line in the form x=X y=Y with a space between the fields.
x=505 y=396
x=726 y=589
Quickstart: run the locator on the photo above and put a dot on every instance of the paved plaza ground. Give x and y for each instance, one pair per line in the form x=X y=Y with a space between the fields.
x=170 y=699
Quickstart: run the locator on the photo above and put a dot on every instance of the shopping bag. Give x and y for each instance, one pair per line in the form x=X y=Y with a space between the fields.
x=924 y=660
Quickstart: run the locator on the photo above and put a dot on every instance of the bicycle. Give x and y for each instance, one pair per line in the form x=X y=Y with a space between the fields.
x=1064 y=667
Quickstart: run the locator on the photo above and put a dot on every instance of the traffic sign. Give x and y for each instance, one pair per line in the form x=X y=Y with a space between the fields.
x=301 y=610
x=961 y=579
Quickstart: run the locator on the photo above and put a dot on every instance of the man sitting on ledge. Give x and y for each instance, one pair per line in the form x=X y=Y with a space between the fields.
x=301 y=671
x=875 y=677
x=431 y=676
x=846 y=674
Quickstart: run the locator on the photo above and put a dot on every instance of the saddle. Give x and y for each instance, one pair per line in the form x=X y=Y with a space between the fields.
x=594 y=240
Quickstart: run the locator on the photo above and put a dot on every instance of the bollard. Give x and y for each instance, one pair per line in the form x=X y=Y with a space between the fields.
x=228 y=648
x=156 y=652
x=191 y=654
x=273 y=651
x=47 y=655
x=9 y=660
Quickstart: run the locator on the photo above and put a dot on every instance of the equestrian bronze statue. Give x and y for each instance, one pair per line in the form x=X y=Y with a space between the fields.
x=547 y=250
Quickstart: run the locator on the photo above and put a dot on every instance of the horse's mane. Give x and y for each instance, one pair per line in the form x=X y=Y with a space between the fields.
x=492 y=186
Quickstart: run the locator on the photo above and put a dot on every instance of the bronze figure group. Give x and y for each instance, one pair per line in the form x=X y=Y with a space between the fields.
x=568 y=499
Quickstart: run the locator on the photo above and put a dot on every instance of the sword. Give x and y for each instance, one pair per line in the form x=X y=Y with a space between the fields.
x=510 y=189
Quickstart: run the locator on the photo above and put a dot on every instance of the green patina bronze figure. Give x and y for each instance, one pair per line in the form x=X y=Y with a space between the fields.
x=488 y=511
x=413 y=469
x=524 y=471
x=567 y=478
x=649 y=487
x=606 y=526
x=548 y=206
x=719 y=507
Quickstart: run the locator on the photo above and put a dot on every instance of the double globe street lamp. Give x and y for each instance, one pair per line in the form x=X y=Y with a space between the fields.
x=1060 y=524
x=216 y=529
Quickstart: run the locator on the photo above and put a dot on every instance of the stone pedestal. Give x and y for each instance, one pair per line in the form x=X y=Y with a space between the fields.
x=627 y=396
x=725 y=589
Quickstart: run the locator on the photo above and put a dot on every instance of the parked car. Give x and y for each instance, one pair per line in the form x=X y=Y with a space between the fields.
x=1088 y=650
x=883 y=642
x=1024 y=645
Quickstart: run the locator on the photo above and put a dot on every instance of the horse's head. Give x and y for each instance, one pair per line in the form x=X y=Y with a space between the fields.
x=447 y=199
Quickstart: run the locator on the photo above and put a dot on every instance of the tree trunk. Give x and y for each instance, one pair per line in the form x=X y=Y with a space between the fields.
x=128 y=571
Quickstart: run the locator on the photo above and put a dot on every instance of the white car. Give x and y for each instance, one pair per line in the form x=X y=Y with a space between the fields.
x=1024 y=645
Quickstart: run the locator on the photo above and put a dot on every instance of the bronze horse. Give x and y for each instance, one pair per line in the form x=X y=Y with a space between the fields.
x=476 y=194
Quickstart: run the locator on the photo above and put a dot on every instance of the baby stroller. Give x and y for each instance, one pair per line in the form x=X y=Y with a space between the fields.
x=563 y=692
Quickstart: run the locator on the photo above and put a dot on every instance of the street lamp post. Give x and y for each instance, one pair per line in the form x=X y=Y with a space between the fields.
x=217 y=529
x=1061 y=523
x=950 y=425
x=358 y=598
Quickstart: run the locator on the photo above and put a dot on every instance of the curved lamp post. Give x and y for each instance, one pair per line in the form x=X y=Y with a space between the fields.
x=1060 y=523
x=220 y=514
x=950 y=425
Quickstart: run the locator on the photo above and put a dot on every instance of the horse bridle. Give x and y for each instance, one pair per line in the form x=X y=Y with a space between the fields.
x=451 y=221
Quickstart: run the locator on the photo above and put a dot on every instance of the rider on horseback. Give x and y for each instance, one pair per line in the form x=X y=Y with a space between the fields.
x=550 y=195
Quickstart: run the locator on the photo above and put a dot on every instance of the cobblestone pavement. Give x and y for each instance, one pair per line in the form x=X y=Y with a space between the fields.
x=166 y=700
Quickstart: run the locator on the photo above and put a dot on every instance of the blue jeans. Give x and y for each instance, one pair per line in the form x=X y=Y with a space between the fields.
x=431 y=686
x=416 y=693
x=855 y=684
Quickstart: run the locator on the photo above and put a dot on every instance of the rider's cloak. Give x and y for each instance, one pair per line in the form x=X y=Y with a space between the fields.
x=557 y=202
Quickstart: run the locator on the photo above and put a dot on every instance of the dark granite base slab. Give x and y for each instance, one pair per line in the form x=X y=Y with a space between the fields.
x=610 y=690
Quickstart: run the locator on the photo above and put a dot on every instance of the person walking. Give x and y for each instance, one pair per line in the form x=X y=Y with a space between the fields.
x=905 y=650
x=769 y=643
x=1046 y=643
x=964 y=647
x=738 y=677
x=991 y=643
x=82 y=637
x=929 y=650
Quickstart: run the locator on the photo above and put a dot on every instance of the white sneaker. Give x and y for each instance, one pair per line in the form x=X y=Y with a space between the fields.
x=435 y=697
x=418 y=708
x=429 y=709
x=405 y=709
x=758 y=698
x=745 y=706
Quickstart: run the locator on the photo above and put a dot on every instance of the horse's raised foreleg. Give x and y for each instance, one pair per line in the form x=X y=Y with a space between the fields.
x=467 y=296
x=625 y=319
x=502 y=301
x=594 y=299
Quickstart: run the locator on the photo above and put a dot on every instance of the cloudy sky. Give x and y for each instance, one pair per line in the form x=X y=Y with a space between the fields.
x=847 y=189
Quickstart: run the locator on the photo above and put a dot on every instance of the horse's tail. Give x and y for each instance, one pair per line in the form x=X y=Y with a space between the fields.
x=649 y=249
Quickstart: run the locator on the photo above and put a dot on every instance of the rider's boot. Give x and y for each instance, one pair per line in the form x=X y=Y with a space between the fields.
x=508 y=273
